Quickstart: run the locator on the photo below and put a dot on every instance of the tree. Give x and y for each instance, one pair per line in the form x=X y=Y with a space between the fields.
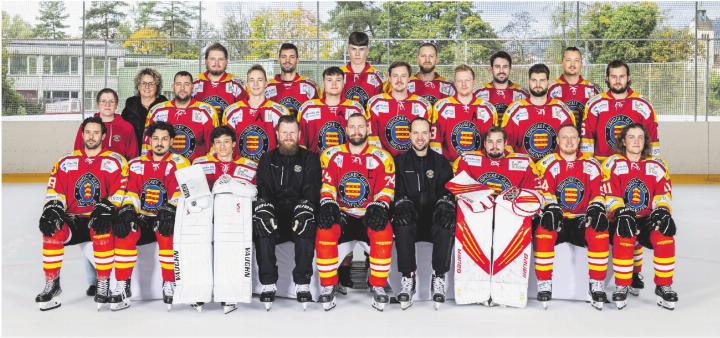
x=235 y=28
x=146 y=15
x=50 y=20
x=270 y=28
x=176 y=20
x=350 y=16
x=104 y=19
x=518 y=30
x=137 y=43
x=15 y=27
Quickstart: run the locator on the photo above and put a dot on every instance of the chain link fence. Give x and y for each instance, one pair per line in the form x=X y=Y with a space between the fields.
x=671 y=47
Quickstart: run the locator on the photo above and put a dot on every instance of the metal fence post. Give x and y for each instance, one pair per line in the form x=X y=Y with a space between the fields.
x=317 y=44
x=199 y=36
x=82 y=75
x=707 y=76
x=696 y=60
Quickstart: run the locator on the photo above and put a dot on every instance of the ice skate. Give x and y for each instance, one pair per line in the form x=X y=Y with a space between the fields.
x=267 y=295
x=197 y=306
x=303 y=295
x=620 y=296
x=168 y=289
x=544 y=292
x=380 y=298
x=228 y=307
x=120 y=298
x=666 y=297
x=103 y=293
x=49 y=298
x=327 y=297
x=405 y=297
x=637 y=284
x=598 y=298
x=438 y=291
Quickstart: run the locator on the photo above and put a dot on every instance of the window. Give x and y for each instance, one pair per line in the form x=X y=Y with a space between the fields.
x=18 y=64
x=90 y=100
x=60 y=65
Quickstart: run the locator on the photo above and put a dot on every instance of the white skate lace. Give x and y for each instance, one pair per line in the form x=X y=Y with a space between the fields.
x=438 y=284
x=596 y=286
x=407 y=284
x=49 y=286
x=120 y=287
x=544 y=285
x=326 y=290
x=379 y=290
x=268 y=288
x=302 y=288
x=666 y=289
x=168 y=288
x=621 y=289
x=103 y=287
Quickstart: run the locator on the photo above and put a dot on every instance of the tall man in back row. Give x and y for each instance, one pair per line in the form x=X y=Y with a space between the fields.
x=289 y=88
x=362 y=80
x=216 y=86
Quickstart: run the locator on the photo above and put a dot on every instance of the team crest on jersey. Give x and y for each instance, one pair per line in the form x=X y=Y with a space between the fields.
x=87 y=190
x=153 y=194
x=570 y=192
x=495 y=181
x=464 y=137
x=331 y=134
x=576 y=106
x=357 y=93
x=430 y=98
x=290 y=103
x=354 y=189
x=216 y=101
x=116 y=138
x=253 y=142
x=539 y=140
x=637 y=196
x=184 y=142
x=500 y=107
x=614 y=127
x=397 y=132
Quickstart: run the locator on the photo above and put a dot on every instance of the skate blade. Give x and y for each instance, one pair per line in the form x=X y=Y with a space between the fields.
x=436 y=305
x=597 y=305
x=304 y=306
x=120 y=306
x=620 y=304
x=100 y=306
x=169 y=307
x=49 y=305
x=378 y=306
x=268 y=306
x=545 y=305
x=405 y=305
x=665 y=304
x=197 y=307
x=227 y=308
x=329 y=305
x=633 y=291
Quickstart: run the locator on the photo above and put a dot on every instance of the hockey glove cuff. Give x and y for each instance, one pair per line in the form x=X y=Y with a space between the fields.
x=165 y=220
x=102 y=217
x=662 y=221
x=596 y=217
x=127 y=221
x=264 y=221
x=376 y=216
x=551 y=219
x=404 y=213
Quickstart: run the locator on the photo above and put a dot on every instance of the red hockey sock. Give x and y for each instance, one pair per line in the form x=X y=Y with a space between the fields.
x=53 y=250
x=326 y=247
x=544 y=242
x=126 y=255
x=380 y=254
x=664 y=257
x=623 y=259
x=598 y=247
x=103 y=253
x=165 y=255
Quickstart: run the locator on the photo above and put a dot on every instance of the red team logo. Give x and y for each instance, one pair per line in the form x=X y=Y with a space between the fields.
x=87 y=190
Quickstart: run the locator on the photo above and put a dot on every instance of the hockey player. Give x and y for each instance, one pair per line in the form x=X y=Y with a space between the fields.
x=532 y=124
x=574 y=212
x=224 y=160
x=83 y=193
x=121 y=135
x=254 y=120
x=193 y=120
x=148 y=213
x=215 y=86
x=608 y=113
x=501 y=91
x=323 y=121
x=427 y=83
x=290 y=88
x=571 y=88
x=462 y=120
x=288 y=184
x=358 y=188
x=424 y=210
x=362 y=81
x=638 y=196
x=391 y=113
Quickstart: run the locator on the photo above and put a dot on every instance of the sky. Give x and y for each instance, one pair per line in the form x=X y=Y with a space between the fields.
x=678 y=14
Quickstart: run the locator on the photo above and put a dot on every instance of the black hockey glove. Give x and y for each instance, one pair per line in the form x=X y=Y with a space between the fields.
x=165 y=220
x=404 y=213
x=596 y=218
x=52 y=218
x=551 y=218
x=102 y=217
x=626 y=222
x=127 y=221
x=376 y=216
x=328 y=214
x=662 y=221
x=303 y=218
x=445 y=212
x=264 y=221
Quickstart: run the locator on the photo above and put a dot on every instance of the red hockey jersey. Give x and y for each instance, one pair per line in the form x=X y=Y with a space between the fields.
x=220 y=94
x=572 y=184
x=120 y=137
x=432 y=91
x=532 y=129
x=153 y=183
x=643 y=185
x=213 y=168
x=323 y=126
x=459 y=128
x=501 y=98
x=605 y=117
x=192 y=125
x=78 y=181
x=574 y=96
x=355 y=180
x=362 y=86
x=390 y=120
x=513 y=170
x=291 y=94
x=254 y=127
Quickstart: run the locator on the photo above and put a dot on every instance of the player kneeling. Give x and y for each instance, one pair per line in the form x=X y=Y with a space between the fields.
x=638 y=195
x=148 y=213
x=574 y=212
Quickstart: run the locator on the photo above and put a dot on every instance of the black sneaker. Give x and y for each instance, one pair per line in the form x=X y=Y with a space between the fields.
x=91 y=291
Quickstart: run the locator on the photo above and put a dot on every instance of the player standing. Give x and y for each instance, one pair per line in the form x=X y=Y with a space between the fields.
x=427 y=83
x=501 y=91
x=362 y=81
x=215 y=86
x=289 y=88
x=571 y=88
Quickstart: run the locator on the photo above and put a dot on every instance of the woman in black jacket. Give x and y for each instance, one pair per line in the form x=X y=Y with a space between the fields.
x=148 y=89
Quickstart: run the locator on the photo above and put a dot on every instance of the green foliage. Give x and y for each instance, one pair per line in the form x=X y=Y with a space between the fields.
x=104 y=18
x=51 y=20
x=15 y=27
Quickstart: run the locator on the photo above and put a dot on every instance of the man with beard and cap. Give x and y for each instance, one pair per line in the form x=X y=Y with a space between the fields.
x=424 y=210
x=427 y=83
x=288 y=184
x=501 y=91
x=608 y=113
x=215 y=86
x=532 y=124
x=571 y=87
x=290 y=88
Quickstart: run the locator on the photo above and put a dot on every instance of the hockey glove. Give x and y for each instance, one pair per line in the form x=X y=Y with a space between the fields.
x=264 y=221
x=328 y=214
x=626 y=222
x=165 y=220
x=127 y=221
x=663 y=221
x=445 y=212
x=551 y=218
x=376 y=216
x=52 y=218
x=102 y=217
x=303 y=218
x=404 y=213
x=596 y=217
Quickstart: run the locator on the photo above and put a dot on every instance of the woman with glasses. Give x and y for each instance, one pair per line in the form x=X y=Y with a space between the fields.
x=148 y=88
x=120 y=136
